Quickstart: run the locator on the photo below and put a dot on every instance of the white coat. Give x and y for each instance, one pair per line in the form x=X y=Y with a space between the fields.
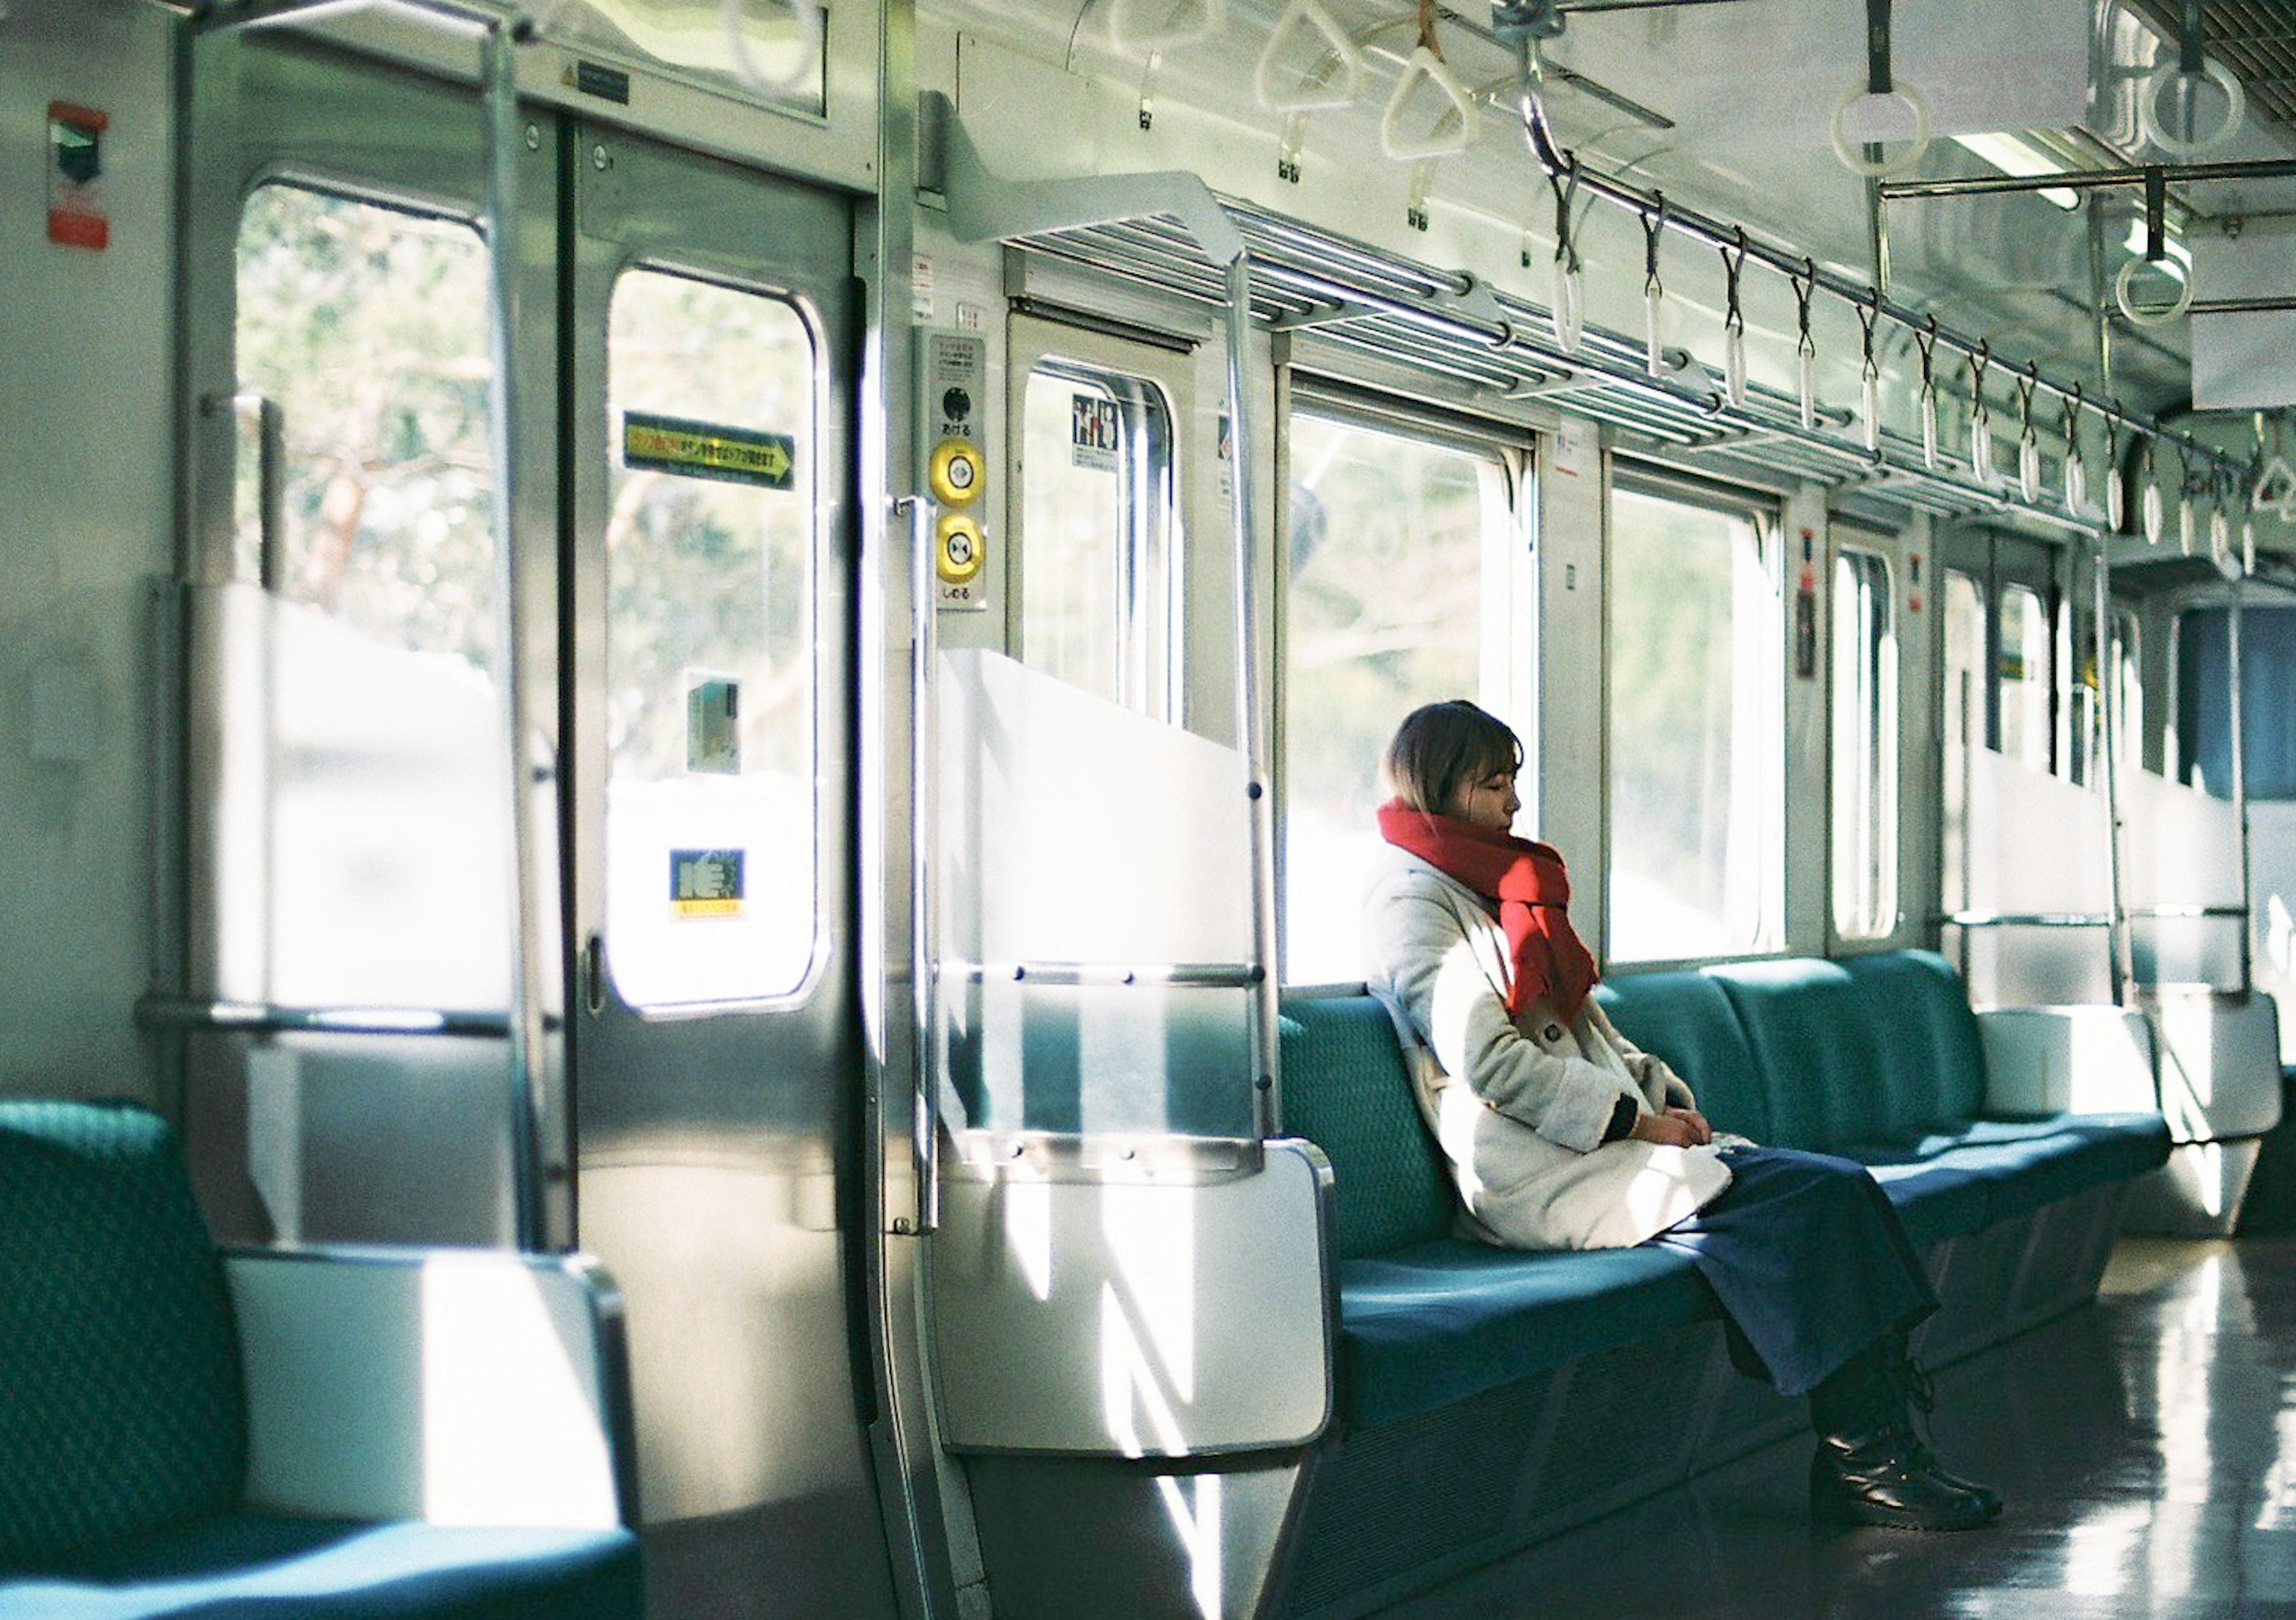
x=1520 y=1104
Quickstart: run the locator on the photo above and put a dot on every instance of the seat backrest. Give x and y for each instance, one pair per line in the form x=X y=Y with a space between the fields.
x=1935 y=1050
x=1860 y=1050
x=1345 y=1089
x=1686 y=1017
x=121 y=1408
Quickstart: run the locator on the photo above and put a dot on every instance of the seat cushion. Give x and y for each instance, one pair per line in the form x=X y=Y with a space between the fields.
x=1345 y=1089
x=246 y=1567
x=1438 y=1321
x=120 y=1405
x=2023 y=1164
x=1935 y=1199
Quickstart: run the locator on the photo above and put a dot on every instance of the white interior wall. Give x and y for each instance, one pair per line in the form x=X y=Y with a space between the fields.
x=85 y=454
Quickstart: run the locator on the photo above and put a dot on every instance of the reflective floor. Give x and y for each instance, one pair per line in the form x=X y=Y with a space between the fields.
x=2146 y=1448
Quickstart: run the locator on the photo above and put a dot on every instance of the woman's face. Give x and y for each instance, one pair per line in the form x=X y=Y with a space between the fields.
x=1486 y=800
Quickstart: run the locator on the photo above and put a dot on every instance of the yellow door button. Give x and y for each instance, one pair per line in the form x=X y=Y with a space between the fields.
x=958 y=549
x=955 y=474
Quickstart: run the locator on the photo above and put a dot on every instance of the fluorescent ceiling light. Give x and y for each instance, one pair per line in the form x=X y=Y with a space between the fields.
x=2013 y=156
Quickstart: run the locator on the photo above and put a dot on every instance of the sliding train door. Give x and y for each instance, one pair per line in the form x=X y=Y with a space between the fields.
x=674 y=609
x=717 y=1066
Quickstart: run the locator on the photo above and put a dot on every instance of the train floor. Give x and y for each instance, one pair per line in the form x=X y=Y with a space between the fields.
x=2145 y=1447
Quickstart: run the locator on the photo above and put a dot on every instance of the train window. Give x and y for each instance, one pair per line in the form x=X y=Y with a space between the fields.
x=1962 y=726
x=1865 y=749
x=1695 y=672
x=1963 y=723
x=1397 y=560
x=375 y=719
x=2267 y=682
x=2023 y=641
x=2129 y=719
x=710 y=879
x=1099 y=595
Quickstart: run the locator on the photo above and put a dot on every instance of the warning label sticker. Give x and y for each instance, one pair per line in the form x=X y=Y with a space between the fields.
x=670 y=444
x=705 y=883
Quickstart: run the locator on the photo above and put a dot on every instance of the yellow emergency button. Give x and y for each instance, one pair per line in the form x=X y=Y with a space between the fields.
x=954 y=474
x=957 y=549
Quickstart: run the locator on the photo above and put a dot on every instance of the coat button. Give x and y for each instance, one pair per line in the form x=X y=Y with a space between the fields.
x=1553 y=1031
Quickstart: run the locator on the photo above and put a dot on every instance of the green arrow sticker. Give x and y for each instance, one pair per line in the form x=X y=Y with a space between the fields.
x=670 y=444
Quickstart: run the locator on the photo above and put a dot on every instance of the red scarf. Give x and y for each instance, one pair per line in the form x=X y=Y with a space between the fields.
x=1533 y=891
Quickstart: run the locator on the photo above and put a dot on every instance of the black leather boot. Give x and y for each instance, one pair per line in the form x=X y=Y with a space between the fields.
x=1915 y=1395
x=1871 y=1466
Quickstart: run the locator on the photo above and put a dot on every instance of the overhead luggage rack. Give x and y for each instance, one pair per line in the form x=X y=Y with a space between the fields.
x=1453 y=326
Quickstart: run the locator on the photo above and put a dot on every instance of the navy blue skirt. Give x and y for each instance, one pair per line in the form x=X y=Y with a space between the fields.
x=1809 y=1259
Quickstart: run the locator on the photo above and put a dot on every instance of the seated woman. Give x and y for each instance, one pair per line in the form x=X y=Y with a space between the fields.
x=1562 y=1135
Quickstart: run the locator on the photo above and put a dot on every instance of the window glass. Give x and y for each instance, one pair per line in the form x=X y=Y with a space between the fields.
x=2024 y=677
x=1695 y=674
x=1864 y=748
x=1963 y=723
x=710 y=539
x=1098 y=591
x=1396 y=558
x=2268 y=685
x=2128 y=721
x=375 y=856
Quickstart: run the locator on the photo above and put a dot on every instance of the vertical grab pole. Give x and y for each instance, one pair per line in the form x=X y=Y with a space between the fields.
x=2108 y=708
x=925 y=966
x=1248 y=730
x=528 y=1070
x=2239 y=792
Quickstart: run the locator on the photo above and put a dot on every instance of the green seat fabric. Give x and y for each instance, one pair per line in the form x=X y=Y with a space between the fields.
x=1346 y=1090
x=1684 y=1017
x=255 y=1567
x=120 y=1405
x=1933 y=1055
x=1818 y=1055
x=1877 y=1058
x=2024 y=1164
x=1437 y=1322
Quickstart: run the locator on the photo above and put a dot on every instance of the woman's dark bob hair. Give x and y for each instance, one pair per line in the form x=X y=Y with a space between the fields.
x=1441 y=747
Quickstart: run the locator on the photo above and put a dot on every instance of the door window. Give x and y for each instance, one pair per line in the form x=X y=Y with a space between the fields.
x=364 y=741
x=710 y=792
x=1099 y=588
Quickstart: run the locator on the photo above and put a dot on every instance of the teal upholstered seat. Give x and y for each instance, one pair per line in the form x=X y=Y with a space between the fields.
x=1437 y=1322
x=1684 y=1017
x=1876 y=1058
x=124 y=1424
x=1346 y=1090
x=328 y=1569
x=121 y=1410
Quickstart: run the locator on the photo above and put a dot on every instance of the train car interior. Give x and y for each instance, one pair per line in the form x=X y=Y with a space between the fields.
x=692 y=696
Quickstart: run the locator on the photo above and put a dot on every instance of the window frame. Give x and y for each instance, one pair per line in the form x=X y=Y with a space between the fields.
x=1508 y=635
x=1766 y=511
x=1883 y=689
x=1153 y=648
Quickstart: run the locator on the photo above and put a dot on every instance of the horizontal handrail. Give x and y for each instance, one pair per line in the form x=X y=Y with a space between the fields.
x=2027 y=919
x=1192 y=975
x=255 y=1017
x=1046 y=1156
